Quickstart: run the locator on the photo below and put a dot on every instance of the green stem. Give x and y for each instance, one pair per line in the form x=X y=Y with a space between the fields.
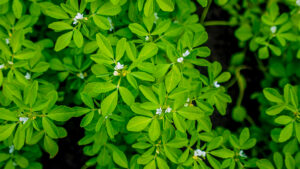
x=205 y=11
x=217 y=23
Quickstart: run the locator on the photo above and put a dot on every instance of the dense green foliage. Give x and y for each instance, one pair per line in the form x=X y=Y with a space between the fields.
x=136 y=73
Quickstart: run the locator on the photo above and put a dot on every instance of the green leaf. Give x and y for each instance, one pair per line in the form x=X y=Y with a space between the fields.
x=148 y=51
x=177 y=143
x=50 y=146
x=154 y=130
x=172 y=78
x=263 y=53
x=151 y=165
x=50 y=128
x=63 y=41
x=6 y=131
x=215 y=143
x=95 y=88
x=138 y=29
x=148 y=8
x=109 y=9
x=191 y=113
x=19 y=138
x=222 y=153
x=244 y=136
x=120 y=48
x=109 y=104
x=61 y=113
x=21 y=161
x=147 y=92
x=109 y=129
x=289 y=161
x=286 y=133
x=120 y=158
x=161 y=163
x=126 y=96
x=273 y=95
x=60 y=26
x=278 y=160
x=78 y=38
x=161 y=27
x=53 y=11
x=264 y=164
x=274 y=110
x=283 y=120
x=179 y=122
x=8 y=115
x=101 y=22
x=104 y=45
x=244 y=32
x=143 y=76
x=166 y=5
x=138 y=123
x=297 y=130
x=30 y=93
x=17 y=8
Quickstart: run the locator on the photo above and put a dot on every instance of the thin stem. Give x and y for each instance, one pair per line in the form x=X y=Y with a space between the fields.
x=217 y=23
x=205 y=11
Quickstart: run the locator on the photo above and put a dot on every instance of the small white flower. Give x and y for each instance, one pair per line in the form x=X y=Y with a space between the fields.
x=10 y=62
x=168 y=110
x=180 y=60
x=199 y=153
x=80 y=75
x=216 y=84
x=242 y=154
x=27 y=76
x=23 y=119
x=159 y=111
x=156 y=17
x=119 y=66
x=273 y=29
x=106 y=117
x=298 y=2
x=186 y=105
x=14 y=163
x=7 y=41
x=175 y=21
x=186 y=53
x=11 y=149
x=2 y=66
x=146 y=38
x=77 y=17
x=188 y=99
x=116 y=73
x=110 y=22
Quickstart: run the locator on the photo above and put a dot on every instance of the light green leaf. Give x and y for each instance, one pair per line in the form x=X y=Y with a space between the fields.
x=63 y=41
x=191 y=113
x=126 y=96
x=138 y=29
x=78 y=38
x=50 y=146
x=148 y=93
x=60 y=26
x=109 y=104
x=138 y=123
x=8 y=115
x=50 y=128
x=109 y=9
x=172 y=78
x=154 y=130
x=101 y=22
x=6 y=131
x=120 y=158
x=104 y=45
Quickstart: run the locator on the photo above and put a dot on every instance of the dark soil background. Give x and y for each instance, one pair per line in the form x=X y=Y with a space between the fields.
x=223 y=45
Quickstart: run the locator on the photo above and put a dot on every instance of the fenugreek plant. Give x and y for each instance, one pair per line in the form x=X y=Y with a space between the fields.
x=136 y=72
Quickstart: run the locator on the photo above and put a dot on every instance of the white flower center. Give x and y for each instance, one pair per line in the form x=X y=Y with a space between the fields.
x=273 y=29
x=23 y=119
x=116 y=73
x=199 y=153
x=242 y=154
x=11 y=149
x=180 y=60
x=146 y=38
x=119 y=66
x=216 y=84
x=80 y=75
x=2 y=66
x=77 y=17
x=168 y=110
x=110 y=23
x=27 y=76
x=186 y=53
x=7 y=41
x=159 y=111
